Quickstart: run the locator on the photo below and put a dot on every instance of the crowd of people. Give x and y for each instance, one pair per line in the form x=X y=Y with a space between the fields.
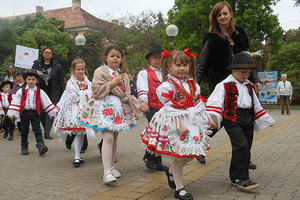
x=180 y=123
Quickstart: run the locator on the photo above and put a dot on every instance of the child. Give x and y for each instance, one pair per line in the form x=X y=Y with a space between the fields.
x=26 y=105
x=77 y=92
x=5 y=100
x=19 y=82
x=179 y=128
x=111 y=108
x=235 y=102
x=147 y=82
x=10 y=76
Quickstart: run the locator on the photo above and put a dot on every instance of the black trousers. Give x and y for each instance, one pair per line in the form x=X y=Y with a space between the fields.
x=8 y=125
x=27 y=117
x=241 y=137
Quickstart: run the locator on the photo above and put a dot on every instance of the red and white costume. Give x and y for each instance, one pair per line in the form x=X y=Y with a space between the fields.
x=243 y=96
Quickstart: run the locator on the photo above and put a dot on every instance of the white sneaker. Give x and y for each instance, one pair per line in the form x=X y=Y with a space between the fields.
x=115 y=172
x=109 y=178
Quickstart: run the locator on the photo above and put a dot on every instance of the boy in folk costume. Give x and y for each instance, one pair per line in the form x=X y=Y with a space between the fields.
x=5 y=101
x=26 y=104
x=234 y=103
x=147 y=82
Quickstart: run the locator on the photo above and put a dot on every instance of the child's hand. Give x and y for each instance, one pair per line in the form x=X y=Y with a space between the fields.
x=116 y=80
x=144 y=107
x=212 y=125
x=183 y=130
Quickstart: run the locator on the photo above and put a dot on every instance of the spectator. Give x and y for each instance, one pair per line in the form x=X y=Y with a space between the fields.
x=284 y=92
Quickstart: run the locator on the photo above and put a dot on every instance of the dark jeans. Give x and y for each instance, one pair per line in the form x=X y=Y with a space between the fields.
x=33 y=117
x=241 y=137
x=47 y=122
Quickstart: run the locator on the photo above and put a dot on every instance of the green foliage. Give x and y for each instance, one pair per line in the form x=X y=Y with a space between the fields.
x=192 y=19
x=297 y=2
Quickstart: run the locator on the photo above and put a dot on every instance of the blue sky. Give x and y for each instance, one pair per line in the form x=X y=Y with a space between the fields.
x=289 y=16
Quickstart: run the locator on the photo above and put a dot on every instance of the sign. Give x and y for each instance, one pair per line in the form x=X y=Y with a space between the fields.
x=25 y=56
x=268 y=90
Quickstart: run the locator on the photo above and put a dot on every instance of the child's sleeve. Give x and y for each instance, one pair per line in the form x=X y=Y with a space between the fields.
x=47 y=105
x=100 y=86
x=165 y=93
x=261 y=118
x=15 y=106
x=142 y=86
x=215 y=104
x=1 y=109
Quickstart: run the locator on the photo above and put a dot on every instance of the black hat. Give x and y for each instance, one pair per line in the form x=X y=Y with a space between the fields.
x=243 y=60
x=31 y=72
x=154 y=49
x=5 y=83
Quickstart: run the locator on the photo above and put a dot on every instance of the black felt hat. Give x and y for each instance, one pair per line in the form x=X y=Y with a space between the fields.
x=243 y=60
x=154 y=49
x=32 y=72
x=5 y=83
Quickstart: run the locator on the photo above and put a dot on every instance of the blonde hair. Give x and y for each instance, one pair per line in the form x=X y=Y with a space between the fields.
x=75 y=62
x=178 y=57
x=214 y=25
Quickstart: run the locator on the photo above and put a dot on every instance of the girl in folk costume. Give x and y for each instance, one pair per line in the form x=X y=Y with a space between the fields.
x=111 y=109
x=180 y=127
x=77 y=92
x=5 y=101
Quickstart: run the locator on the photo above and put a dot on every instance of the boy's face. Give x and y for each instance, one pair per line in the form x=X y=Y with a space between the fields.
x=19 y=79
x=31 y=81
x=241 y=74
x=155 y=60
x=6 y=88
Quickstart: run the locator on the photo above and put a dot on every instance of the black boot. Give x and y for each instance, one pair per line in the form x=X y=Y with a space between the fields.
x=47 y=136
x=5 y=134
x=11 y=135
x=201 y=159
x=159 y=165
x=69 y=141
x=149 y=160
x=24 y=148
x=85 y=145
x=42 y=148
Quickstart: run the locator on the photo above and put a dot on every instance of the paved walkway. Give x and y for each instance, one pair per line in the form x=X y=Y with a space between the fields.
x=276 y=152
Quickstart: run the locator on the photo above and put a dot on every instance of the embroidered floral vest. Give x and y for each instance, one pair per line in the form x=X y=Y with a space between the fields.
x=230 y=102
x=153 y=83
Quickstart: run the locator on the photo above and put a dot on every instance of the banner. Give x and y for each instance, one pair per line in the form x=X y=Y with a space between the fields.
x=268 y=90
x=25 y=56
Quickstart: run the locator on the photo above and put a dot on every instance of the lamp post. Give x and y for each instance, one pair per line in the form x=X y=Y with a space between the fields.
x=80 y=42
x=172 y=32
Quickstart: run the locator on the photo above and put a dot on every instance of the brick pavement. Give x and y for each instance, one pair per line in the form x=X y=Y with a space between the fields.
x=275 y=151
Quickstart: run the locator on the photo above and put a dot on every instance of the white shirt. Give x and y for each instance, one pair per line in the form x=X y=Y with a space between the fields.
x=142 y=84
x=284 y=88
x=5 y=102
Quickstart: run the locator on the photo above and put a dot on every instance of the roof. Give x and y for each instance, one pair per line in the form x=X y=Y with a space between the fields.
x=73 y=18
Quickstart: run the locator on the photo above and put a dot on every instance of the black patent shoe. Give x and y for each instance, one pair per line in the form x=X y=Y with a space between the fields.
x=201 y=159
x=76 y=163
x=81 y=161
x=252 y=165
x=5 y=135
x=170 y=182
x=159 y=165
x=185 y=196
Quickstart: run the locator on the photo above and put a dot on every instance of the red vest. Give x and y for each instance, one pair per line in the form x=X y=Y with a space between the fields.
x=37 y=97
x=9 y=98
x=153 y=83
x=230 y=103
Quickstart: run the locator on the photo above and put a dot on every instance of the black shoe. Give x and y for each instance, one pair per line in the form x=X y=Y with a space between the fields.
x=149 y=160
x=48 y=137
x=170 y=182
x=252 y=165
x=5 y=135
x=76 y=163
x=201 y=159
x=10 y=138
x=159 y=165
x=68 y=144
x=186 y=196
x=81 y=161
x=245 y=185
x=24 y=149
x=42 y=148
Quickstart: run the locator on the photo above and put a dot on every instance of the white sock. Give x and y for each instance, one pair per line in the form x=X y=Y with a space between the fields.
x=78 y=145
x=177 y=170
x=107 y=150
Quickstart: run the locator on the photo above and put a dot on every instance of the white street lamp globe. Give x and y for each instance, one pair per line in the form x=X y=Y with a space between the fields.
x=172 y=30
x=80 y=40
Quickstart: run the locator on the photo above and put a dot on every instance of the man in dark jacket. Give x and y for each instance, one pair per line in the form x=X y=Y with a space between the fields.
x=52 y=82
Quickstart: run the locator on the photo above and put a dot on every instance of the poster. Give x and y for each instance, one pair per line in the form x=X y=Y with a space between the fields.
x=25 y=56
x=268 y=90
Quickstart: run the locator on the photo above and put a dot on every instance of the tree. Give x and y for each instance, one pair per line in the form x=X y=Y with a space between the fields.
x=256 y=17
x=297 y=2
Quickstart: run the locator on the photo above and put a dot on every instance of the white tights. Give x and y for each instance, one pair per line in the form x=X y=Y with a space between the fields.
x=177 y=170
x=78 y=145
x=109 y=149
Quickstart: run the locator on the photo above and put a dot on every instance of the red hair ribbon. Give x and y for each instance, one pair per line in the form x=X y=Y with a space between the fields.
x=189 y=54
x=165 y=53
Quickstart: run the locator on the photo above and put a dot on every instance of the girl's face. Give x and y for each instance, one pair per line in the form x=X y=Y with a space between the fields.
x=79 y=71
x=6 y=88
x=180 y=70
x=113 y=59
x=19 y=79
x=224 y=17
x=10 y=70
